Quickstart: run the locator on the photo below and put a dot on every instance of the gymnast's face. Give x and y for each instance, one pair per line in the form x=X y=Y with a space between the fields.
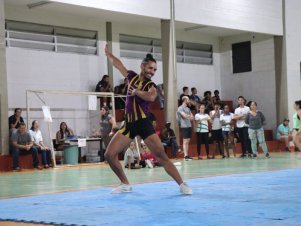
x=148 y=69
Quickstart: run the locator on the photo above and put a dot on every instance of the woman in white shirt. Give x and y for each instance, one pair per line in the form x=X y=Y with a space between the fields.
x=37 y=140
x=202 y=130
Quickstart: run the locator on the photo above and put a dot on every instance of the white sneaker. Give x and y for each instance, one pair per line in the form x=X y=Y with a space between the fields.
x=122 y=188
x=149 y=163
x=185 y=189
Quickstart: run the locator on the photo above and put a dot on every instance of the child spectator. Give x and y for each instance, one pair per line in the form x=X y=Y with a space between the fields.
x=148 y=156
x=132 y=159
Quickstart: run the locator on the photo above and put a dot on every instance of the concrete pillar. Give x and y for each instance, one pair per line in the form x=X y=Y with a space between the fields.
x=4 y=130
x=287 y=61
x=170 y=69
x=109 y=38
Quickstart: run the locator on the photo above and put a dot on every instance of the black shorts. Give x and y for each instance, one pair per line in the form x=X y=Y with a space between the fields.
x=142 y=127
x=217 y=135
x=186 y=132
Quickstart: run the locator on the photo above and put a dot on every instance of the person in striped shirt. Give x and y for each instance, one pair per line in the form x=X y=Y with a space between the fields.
x=141 y=91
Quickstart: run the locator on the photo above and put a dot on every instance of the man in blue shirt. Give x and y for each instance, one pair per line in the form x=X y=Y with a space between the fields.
x=284 y=134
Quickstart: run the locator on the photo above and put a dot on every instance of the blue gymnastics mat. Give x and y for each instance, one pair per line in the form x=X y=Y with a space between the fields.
x=266 y=198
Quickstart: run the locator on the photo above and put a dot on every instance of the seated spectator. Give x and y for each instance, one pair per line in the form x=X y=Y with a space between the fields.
x=15 y=120
x=132 y=159
x=185 y=93
x=22 y=144
x=284 y=134
x=121 y=90
x=169 y=139
x=38 y=143
x=195 y=100
x=160 y=91
x=216 y=97
x=62 y=135
x=104 y=86
x=207 y=101
x=148 y=157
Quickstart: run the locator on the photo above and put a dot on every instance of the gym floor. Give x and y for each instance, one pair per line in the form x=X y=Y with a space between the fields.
x=89 y=185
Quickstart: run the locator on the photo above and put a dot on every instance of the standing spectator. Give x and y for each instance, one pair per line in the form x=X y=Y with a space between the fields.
x=240 y=114
x=185 y=93
x=22 y=144
x=255 y=119
x=160 y=91
x=15 y=120
x=284 y=134
x=107 y=126
x=217 y=133
x=202 y=131
x=226 y=120
x=104 y=86
x=38 y=143
x=195 y=100
x=132 y=159
x=297 y=125
x=169 y=139
x=184 y=117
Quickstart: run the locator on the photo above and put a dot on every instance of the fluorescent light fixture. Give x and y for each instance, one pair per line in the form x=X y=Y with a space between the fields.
x=37 y=4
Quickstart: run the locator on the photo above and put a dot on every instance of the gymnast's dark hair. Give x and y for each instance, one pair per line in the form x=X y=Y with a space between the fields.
x=149 y=57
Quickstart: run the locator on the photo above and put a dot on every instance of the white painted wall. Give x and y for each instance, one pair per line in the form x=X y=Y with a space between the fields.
x=292 y=39
x=264 y=16
x=257 y=85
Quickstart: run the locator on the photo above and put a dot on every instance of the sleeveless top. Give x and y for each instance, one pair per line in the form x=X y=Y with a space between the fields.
x=296 y=121
x=135 y=107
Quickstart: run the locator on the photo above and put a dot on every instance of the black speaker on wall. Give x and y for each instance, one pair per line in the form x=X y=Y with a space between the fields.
x=241 y=57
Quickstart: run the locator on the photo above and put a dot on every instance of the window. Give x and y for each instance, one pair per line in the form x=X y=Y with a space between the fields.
x=50 y=38
x=241 y=57
x=137 y=47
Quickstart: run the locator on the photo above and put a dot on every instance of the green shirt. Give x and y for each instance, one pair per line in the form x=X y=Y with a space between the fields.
x=296 y=121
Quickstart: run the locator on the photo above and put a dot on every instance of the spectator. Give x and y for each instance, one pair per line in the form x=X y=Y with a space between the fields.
x=255 y=120
x=217 y=133
x=194 y=99
x=169 y=139
x=104 y=86
x=38 y=143
x=226 y=120
x=22 y=144
x=185 y=93
x=160 y=91
x=132 y=159
x=148 y=156
x=15 y=120
x=207 y=100
x=107 y=126
x=297 y=125
x=121 y=90
x=240 y=114
x=202 y=130
x=216 y=97
x=284 y=134
x=62 y=135
x=184 y=117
